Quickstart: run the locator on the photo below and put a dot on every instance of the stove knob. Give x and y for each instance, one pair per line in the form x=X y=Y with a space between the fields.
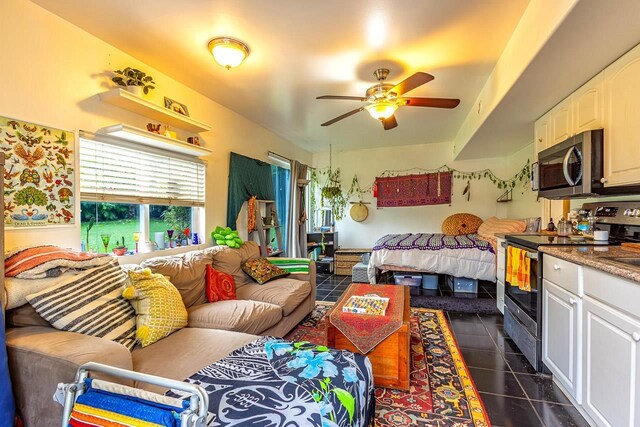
x=635 y=212
x=627 y=212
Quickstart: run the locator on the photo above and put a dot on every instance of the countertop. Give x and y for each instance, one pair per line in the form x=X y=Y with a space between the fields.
x=598 y=257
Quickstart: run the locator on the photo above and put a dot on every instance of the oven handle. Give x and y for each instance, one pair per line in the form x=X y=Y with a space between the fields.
x=530 y=254
x=565 y=166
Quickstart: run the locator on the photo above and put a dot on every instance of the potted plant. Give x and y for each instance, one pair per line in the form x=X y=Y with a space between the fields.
x=134 y=80
x=120 y=249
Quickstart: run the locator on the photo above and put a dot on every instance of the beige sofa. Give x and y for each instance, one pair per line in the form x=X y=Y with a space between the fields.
x=41 y=356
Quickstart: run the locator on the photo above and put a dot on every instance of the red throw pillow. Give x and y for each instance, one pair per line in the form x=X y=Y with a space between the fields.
x=220 y=286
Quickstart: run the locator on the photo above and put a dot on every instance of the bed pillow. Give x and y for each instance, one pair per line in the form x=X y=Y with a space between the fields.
x=158 y=305
x=494 y=225
x=261 y=270
x=461 y=223
x=220 y=285
x=90 y=303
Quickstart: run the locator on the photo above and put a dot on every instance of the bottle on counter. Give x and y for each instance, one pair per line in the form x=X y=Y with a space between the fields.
x=551 y=226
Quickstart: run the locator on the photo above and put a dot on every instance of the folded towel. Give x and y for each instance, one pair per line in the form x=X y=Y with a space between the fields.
x=518 y=269
x=292 y=265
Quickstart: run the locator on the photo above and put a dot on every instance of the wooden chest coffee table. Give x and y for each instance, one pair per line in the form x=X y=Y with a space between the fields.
x=391 y=358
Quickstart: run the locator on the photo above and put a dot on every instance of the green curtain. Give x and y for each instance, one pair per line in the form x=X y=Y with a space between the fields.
x=247 y=177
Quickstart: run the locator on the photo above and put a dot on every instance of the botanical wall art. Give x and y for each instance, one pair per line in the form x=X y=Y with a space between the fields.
x=39 y=174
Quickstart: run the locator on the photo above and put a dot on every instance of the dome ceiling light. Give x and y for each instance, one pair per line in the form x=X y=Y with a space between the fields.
x=228 y=52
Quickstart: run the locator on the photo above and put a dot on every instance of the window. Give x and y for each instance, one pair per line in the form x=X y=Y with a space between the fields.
x=126 y=188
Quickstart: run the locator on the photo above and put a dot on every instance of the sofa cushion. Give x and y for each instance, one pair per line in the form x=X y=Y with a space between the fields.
x=25 y=315
x=285 y=293
x=262 y=271
x=251 y=317
x=230 y=260
x=186 y=352
x=187 y=272
x=220 y=285
x=159 y=307
x=90 y=303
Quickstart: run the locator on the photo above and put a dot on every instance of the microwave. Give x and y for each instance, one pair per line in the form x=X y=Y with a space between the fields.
x=574 y=168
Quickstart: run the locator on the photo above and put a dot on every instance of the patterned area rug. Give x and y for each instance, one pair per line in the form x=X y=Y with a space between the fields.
x=442 y=392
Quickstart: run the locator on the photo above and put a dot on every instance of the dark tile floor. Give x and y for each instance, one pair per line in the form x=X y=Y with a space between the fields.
x=513 y=394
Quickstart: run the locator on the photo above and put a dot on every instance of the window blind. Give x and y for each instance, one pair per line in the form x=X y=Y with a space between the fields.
x=120 y=172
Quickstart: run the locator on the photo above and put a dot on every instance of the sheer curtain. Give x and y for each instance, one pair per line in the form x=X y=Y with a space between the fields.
x=296 y=226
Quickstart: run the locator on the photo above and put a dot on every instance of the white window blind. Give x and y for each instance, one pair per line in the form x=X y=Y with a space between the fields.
x=120 y=172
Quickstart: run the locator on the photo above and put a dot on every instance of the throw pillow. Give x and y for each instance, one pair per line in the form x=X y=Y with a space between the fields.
x=158 y=305
x=494 y=225
x=220 y=285
x=261 y=270
x=90 y=303
x=461 y=223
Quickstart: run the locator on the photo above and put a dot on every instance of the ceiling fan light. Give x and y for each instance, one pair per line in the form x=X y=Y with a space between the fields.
x=381 y=110
x=228 y=52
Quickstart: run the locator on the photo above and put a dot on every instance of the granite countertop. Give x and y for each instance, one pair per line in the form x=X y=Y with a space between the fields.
x=598 y=257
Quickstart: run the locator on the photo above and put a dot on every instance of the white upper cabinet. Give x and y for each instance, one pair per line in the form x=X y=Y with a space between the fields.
x=542 y=133
x=560 y=120
x=622 y=120
x=587 y=104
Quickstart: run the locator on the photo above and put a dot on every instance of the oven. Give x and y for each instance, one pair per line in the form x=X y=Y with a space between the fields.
x=523 y=308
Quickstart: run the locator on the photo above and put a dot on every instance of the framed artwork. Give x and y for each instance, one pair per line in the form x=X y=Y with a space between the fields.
x=534 y=176
x=39 y=174
x=176 y=106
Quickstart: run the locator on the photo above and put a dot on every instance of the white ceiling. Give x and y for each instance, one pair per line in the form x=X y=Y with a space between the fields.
x=301 y=49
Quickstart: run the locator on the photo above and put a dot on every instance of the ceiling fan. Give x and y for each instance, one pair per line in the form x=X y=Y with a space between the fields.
x=383 y=99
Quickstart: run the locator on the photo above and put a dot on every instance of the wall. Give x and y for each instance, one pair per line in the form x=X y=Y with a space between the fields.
x=51 y=74
x=369 y=163
x=525 y=202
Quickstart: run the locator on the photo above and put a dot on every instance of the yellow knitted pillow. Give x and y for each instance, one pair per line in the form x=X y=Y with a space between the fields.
x=461 y=223
x=158 y=304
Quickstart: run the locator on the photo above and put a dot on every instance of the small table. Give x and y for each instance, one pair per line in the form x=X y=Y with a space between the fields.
x=391 y=358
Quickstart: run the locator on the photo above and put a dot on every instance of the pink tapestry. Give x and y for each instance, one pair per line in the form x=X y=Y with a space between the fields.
x=414 y=190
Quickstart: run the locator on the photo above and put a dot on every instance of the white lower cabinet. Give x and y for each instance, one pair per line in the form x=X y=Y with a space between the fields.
x=562 y=340
x=500 y=296
x=611 y=365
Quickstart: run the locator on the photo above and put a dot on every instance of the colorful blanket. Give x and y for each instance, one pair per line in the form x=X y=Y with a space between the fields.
x=431 y=242
x=275 y=382
x=38 y=262
x=292 y=265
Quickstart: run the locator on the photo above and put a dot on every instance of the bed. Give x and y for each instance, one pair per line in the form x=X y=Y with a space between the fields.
x=466 y=255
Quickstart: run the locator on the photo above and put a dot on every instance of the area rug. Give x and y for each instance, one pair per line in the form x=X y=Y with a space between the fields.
x=442 y=392
x=461 y=305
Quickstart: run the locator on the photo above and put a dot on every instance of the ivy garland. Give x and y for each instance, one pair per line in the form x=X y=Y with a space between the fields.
x=332 y=195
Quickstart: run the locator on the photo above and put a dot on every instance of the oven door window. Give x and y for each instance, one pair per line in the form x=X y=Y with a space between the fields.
x=526 y=300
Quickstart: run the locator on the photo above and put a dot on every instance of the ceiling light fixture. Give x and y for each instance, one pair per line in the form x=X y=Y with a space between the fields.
x=228 y=52
x=382 y=110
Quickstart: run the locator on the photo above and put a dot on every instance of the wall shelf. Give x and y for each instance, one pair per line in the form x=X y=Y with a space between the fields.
x=140 y=136
x=128 y=101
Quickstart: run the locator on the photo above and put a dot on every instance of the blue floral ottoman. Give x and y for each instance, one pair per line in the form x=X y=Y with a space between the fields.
x=273 y=382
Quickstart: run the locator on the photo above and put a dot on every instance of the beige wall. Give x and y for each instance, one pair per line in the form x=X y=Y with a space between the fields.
x=369 y=163
x=525 y=202
x=51 y=72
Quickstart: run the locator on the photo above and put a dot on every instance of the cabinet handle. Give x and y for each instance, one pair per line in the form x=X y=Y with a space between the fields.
x=604 y=180
x=635 y=336
x=556 y=267
x=573 y=301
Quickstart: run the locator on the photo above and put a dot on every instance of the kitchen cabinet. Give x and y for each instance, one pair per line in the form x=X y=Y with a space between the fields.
x=622 y=128
x=562 y=340
x=587 y=104
x=611 y=365
x=541 y=134
x=560 y=122
x=501 y=259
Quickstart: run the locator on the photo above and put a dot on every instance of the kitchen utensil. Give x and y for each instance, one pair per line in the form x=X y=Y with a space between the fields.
x=564 y=228
x=601 y=235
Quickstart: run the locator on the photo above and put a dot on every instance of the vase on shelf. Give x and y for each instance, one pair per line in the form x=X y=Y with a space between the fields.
x=136 y=90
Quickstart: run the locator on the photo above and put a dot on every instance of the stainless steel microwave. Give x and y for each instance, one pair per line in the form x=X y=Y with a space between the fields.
x=574 y=168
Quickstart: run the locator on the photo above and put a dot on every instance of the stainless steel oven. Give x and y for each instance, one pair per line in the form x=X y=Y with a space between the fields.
x=523 y=309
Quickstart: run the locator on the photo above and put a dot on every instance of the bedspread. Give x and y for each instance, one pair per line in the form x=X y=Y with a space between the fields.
x=459 y=256
x=271 y=381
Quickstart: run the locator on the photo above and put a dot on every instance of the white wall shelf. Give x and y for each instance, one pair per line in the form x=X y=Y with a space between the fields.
x=140 y=136
x=128 y=101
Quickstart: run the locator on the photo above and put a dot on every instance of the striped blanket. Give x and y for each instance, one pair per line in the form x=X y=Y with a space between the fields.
x=292 y=265
x=38 y=262
x=431 y=242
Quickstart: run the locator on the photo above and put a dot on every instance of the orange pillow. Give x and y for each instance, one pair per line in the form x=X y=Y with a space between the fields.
x=461 y=223
x=494 y=225
x=220 y=285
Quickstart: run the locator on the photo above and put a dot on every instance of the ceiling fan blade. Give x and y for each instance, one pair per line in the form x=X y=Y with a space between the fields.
x=430 y=102
x=344 y=116
x=349 y=98
x=412 y=82
x=389 y=123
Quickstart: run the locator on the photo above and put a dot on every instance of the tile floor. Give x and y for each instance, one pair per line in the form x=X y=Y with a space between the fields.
x=513 y=394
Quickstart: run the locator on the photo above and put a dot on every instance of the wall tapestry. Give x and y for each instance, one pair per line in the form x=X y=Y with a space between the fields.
x=413 y=190
x=39 y=174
